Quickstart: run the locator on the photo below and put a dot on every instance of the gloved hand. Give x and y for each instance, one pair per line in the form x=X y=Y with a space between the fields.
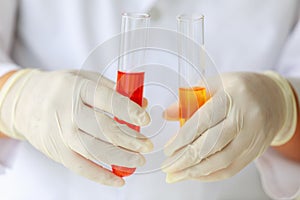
x=65 y=115
x=235 y=126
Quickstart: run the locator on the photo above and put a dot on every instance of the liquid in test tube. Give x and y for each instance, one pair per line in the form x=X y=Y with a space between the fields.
x=131 y=84
x=192 y=95
x=130 y=80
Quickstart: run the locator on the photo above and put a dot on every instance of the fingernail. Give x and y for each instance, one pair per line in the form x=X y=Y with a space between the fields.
x=170 y=179
x=142 y=161
x=146 y=147
x=145 y=103
x=167 y=151
x=164 y=168
x=145 y=118
x=118 y=182
x=168 y=148
x=173 y=178
x=137 y=160
x=164 y=115
x=142 y=118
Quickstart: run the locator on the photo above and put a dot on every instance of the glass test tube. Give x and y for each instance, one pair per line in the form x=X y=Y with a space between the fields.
x=192 y=95
x=130 y=80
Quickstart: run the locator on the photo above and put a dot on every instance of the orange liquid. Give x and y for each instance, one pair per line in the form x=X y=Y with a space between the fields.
x=132 y=86
x=190 y=100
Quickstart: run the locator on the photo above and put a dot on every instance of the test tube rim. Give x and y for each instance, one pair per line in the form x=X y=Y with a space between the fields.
x=188 y=17
x=136 y=15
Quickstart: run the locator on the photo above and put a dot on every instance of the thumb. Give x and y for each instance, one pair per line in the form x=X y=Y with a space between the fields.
x=144 y=103
x=172 y=112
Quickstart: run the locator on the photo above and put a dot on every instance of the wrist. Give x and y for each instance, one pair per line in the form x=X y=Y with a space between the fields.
x=2 y=135
x=13 y=81
x=3 y=79
x=290 y=109
x=291 y=149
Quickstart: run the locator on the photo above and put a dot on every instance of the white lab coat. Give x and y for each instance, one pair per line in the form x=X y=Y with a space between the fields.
x=252 y=35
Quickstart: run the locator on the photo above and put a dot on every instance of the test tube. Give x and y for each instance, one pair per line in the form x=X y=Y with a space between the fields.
x=130 y=80
x=191 y=64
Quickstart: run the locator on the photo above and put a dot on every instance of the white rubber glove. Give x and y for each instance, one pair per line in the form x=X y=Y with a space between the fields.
x=232 y=128
x=64 y=115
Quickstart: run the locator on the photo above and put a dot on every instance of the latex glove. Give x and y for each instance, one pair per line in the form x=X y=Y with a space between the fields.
x=65 y=115
x=232 y=128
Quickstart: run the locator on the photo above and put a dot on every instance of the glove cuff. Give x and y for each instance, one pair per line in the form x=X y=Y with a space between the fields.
x=5 y=128
x=288 y=129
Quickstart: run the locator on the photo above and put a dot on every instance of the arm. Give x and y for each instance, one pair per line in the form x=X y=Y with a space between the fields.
x=2 y=136
x=291 y=149
x=44 y=116
x=8 y=9
x=3 y=79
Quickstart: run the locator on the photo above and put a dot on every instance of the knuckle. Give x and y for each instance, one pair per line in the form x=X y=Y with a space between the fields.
x=193 y=173
x=192 y=153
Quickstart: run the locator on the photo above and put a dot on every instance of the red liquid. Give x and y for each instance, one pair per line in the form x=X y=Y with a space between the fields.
x=190 y=99
x=130 y=85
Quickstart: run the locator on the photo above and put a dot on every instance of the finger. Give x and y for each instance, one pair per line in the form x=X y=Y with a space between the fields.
x=214 y=163
x=101 y=151
x=100 y=79
x=109 y=100
x=172 y=112
x=182 y=159
x=228 y=172
x=210 y=114
x=241 y=162
x=90 y=170
x=95 y=77
x=59 y=151
x=210 y=142
x=105 y=128
x=144 y=103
